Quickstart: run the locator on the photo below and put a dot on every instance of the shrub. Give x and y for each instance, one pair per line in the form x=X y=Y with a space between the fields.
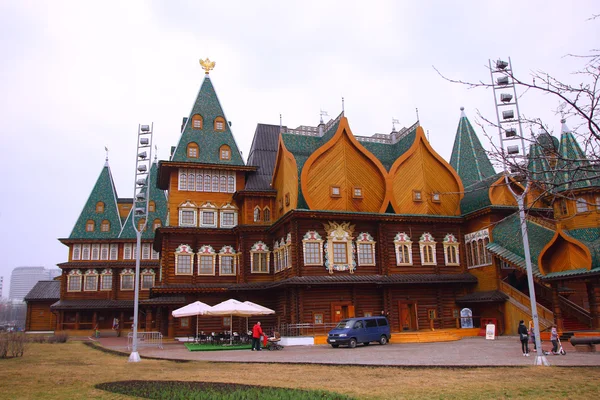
x=60 y=338
x=12 y=344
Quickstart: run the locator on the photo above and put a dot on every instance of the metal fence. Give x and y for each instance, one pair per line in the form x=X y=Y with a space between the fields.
x=145 y=339
x=308 y=329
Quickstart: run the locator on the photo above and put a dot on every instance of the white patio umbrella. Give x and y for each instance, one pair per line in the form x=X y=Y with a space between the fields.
x=233 y=307
x=196 y=308
x=262 y=310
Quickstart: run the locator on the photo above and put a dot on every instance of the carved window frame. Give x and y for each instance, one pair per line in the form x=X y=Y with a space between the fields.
x=340 y=233
x=90 y=278
x=74 y=281
x=428 y=249
x=228 y=209
x=146 y=275
x=124 y=277
x=261 y=250
x=188 y=207
x=476 y=249
x=312 y=239
x=207 y=209
x=403 y=249
x=76 y=252
x=365 y=240
x=228 y=252
x=256 y=214
x=106 y=280
x=184 y=250
x=451 y=250
x=208 y=254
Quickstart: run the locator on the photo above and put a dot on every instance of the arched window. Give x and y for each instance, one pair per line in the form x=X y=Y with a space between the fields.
x=151 y=206
x=215 y=183
x=582 y=205
x=142 y=224
x=475 y=246
x=199 y=182
x=223 y=187
x=230 y=184
x=257 y=214
x=105 y=226
x=403 y=246
x=192 y=150
x=99 y=207
x=427 y=245
x=156 y=224
x=207 y=183
x=219 y=124
x=90 y=225
x=182 y=180
x=267 y=214
x=196 y=121
x=225 y=152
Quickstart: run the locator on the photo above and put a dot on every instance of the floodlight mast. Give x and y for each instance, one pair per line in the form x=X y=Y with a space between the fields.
x=510 y=130
x=139 y=216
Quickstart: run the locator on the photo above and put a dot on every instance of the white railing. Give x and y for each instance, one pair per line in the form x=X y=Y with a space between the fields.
x=145 y=339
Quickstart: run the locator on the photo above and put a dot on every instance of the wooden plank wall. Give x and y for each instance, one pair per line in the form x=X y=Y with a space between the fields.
x=39 y=317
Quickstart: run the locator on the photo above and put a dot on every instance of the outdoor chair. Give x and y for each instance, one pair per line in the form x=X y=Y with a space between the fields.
x=273 y=342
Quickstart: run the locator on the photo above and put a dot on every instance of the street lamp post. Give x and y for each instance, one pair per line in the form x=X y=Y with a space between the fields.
x=140 y=217
x=510 y=131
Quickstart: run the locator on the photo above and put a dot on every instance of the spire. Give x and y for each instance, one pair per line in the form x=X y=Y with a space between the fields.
x=106 y=162
x=538 y=164
x=100 y=207
x=468 y=156
x=573 y=169
x=207 y=130
x=157 y=197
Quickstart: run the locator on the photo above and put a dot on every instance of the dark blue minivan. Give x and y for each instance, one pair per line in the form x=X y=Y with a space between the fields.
x=365 y=330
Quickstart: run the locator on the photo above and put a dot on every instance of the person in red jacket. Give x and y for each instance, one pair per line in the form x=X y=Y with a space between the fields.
x=257 y=332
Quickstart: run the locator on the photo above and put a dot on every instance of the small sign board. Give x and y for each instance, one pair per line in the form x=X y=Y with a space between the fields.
x=490 y=330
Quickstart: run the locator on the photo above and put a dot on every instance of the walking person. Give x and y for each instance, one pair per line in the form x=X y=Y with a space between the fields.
x=257 y=332
x=524 y=336
x=532 y=335
x=554 y=339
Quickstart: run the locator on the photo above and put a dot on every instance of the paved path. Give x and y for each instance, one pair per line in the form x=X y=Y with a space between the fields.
x=471 y=351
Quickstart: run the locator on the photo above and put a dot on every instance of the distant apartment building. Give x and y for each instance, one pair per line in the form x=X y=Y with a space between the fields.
x=23 y=279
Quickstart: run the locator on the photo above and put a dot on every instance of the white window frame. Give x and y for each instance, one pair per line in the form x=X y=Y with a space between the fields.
x=106 y=273
x=86 y=251
x=184 y=250
x=581 y=205
x=340 y=233
x=74 y=276
x=146 y=273
x=402 y=242
x=104 y=251
x=114 y=251
x=155 y=255
x=90 y=274
x=365 y=239
x=262 y=251
x=206 y=209
x=256 y=214
x=146 y=251
x=451 y=245
x=127 y=251
x=227 y=252
x=206 y=252
x=76 y=252
x=474 y=242
x=427 y=242
x=312 y=238
x=194 y=214
x=95 y=251
x=228 y=209
x=128 y=272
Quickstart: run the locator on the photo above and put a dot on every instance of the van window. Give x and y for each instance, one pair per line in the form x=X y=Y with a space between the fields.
x=358 y=325
x=343 y=324
x=382 y=322
x=371 y=323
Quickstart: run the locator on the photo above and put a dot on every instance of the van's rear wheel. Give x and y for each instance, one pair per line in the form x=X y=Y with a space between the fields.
x=352 y=343
x=383 y=340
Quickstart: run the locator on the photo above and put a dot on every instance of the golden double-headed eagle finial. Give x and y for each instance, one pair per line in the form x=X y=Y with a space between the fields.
x=207 y=65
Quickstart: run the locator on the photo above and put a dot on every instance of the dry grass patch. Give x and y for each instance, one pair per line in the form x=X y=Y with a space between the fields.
x=70 y=371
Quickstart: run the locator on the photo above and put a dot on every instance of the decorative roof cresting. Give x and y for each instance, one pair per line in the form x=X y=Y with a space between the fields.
x=207 y=65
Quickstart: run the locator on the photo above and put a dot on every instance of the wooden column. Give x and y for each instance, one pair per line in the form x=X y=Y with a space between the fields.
x=77 y=320
x=381 y=248
x=121 y=323
x=158 y=317
x=593 y=291
x=94 y=319
x=558 y=318
x=241 y=266
x=171 y=329
x=149 y=320
x=297 y=243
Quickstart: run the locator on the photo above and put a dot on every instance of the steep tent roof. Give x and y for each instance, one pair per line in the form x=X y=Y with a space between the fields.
x=263 y=153
x=573 y=169
x=208 y=138
x=468 y=156
x=159 y=198
x=104 y=191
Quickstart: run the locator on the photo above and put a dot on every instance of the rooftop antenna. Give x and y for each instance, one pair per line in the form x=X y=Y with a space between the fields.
x=428 y=135
x=323 y=114
x=342 y=105
x=106 y=149
x=321 y=124
x=280 y=124
x=417 y=111
x=394 y=122
x=155 y=153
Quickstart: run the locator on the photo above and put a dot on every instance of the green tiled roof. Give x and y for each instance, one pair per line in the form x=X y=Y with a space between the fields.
x=477 y=196
x=468 y=156
x=573 y=169
x=160 y=210
x=508 y=243
x=209 y=141
x=389 y=153
x=104 y=191
x=538 y=164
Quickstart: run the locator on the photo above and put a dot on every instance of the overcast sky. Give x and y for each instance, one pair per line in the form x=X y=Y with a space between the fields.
x=80 y=75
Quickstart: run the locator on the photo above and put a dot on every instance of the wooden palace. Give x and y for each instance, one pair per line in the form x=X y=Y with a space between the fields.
x=320 y=224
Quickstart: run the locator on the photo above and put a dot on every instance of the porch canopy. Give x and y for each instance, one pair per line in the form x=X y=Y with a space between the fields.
x=196 y=308
x=233 y=307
